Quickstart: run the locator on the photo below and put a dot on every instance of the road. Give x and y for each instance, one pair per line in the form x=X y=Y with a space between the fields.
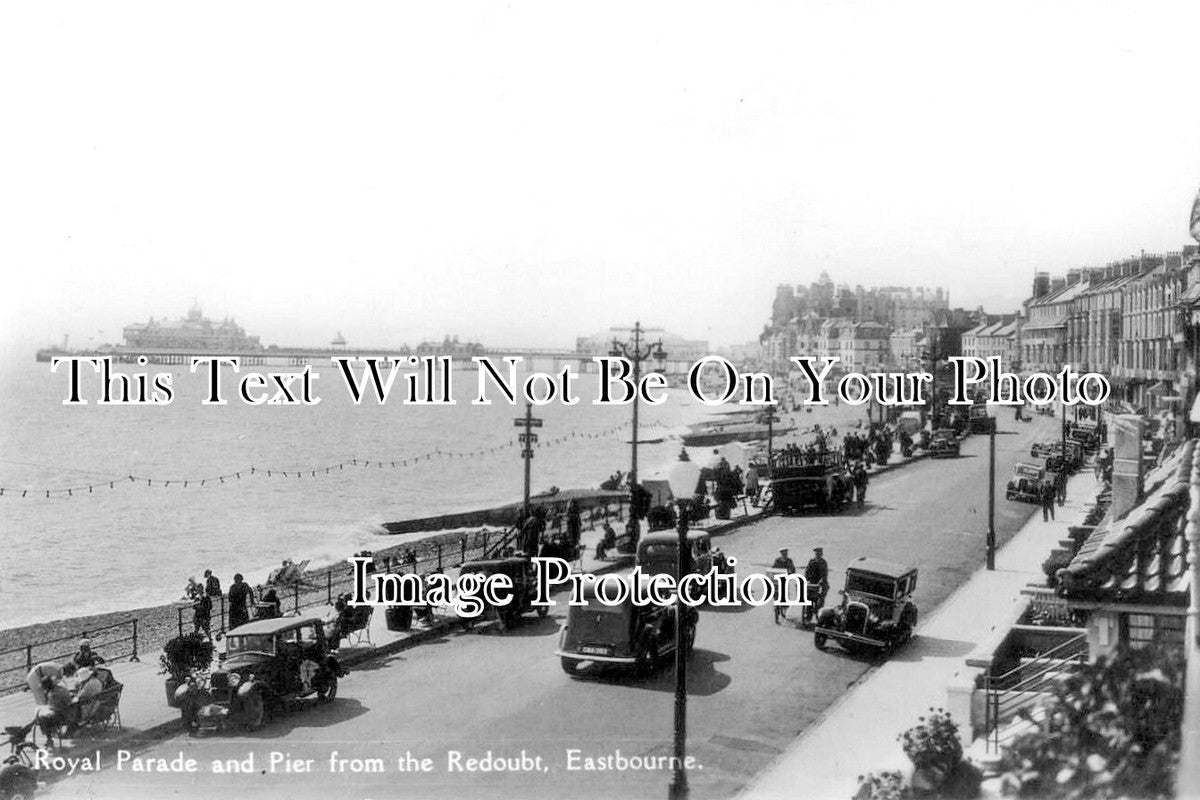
x=753 y=685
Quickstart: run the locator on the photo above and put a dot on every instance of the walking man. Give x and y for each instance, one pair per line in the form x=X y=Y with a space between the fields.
x=1061 y=480
x=785 y=563
x=816 y=575
x=1048 y=494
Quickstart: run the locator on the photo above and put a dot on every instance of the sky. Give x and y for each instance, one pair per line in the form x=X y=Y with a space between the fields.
x=525 y=173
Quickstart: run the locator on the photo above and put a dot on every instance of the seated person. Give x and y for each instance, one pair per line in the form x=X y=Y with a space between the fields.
x=342 y=623
x=271 y=606
x=86 y=657
x=91 y=682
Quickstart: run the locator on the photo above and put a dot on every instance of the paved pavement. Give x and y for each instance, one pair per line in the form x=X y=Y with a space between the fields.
x=859 y=733
x=479 y=691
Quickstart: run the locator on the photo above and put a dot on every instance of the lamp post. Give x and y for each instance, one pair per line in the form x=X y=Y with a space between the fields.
x=635 y=352
x=682 y=480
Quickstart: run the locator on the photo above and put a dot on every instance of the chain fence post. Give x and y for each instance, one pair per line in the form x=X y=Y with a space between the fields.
x=134 y=657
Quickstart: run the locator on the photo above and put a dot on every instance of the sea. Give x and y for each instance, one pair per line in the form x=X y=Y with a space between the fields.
x=251 y=485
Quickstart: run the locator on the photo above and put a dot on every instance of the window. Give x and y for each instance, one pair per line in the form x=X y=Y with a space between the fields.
x=1143 y=630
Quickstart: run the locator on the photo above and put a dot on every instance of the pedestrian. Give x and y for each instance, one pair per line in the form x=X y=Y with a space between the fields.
x=86 y=656
x=1048 y=497
x=202 y=615
x=816 y=575
x=1061 y=480
x=785 y=563
x=860 y=484
x=240 y=596
x=49 y=669
x=57 y=711
x=752 y=484
x=212 y=584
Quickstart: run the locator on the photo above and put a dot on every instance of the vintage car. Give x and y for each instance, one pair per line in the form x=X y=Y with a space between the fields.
x=979 y=421
x=797 y=485
x=1028 y=482
x=659 y=553
x=266 y=664
x=943 y=444
x=1086 y=435
x=876 y=613
x=1043 y=449
x=520 y=570
x=626 y=636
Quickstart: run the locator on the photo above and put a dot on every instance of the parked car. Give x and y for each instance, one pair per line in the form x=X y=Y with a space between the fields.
x=625 y=636
x=980 y=422
x=1028 y=482
x=521 y=572
x=943 y=444
x=797 y=485
x=1043 y=449
x=1086 y=435
x=658 y=553
x=267 y=663
x=876 y=613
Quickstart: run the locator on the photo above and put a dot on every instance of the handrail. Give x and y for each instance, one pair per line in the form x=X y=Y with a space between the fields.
x=126 y=647
x=1034 y=676
x=435 y=556
x=1074 y=640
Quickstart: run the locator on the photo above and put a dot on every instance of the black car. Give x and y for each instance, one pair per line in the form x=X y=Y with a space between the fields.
x=266 y=664
x=626 y=635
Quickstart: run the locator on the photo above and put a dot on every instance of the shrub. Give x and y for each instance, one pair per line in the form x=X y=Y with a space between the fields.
x=186 y=655
x=882 y=786
x=1111 y=730
x=934 y=742
x=1057 y=560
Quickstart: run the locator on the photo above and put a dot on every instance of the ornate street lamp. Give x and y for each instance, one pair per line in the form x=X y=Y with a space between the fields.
x=636 y=352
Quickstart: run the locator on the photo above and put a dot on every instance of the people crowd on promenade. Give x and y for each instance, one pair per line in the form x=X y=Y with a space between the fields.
x=65 y=694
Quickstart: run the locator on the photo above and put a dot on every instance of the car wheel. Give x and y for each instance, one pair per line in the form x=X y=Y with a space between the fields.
x=568 y=665
x=254 y=710
x=27 y=753
x=543 y=611
x=18 y=782
x=329 y=691
x=819 y=640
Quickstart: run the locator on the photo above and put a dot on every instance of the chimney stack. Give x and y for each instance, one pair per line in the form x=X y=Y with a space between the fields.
x=1128 y=468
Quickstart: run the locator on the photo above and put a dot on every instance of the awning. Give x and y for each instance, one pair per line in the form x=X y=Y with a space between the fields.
x=1050 y=324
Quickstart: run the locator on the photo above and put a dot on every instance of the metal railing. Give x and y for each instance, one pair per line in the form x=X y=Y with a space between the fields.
x=113 y=642
x=120 y=640
x=1027 y=684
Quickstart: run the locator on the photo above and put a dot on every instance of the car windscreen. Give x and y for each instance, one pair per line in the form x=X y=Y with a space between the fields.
x=871 y=584
x=657 y=552
x=250 y=643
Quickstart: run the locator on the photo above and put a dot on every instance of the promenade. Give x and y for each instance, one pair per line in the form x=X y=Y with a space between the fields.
x=146 y=717
x=859 y=733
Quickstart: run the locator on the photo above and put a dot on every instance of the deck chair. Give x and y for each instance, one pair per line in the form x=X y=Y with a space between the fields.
x=103 y=710
x=361 y=634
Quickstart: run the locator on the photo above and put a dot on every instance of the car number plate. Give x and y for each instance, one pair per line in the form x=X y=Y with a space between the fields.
x=594 y=651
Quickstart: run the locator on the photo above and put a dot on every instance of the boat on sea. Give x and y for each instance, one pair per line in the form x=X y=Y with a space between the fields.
x=717 y=432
